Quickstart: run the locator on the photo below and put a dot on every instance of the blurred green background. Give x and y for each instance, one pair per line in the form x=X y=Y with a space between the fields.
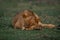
x=48 y=11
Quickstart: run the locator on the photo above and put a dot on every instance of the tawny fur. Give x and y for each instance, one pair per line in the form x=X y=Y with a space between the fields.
x=28 y=20
x=47 y=25
x=25 y=20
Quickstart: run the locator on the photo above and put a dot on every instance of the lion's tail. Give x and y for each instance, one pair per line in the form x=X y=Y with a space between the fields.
x=48 y=25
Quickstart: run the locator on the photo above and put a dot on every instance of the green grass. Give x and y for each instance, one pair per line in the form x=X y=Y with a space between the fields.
x=12 y=34
x=8 y=8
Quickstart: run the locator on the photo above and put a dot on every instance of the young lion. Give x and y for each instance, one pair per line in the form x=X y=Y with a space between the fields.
x=26 y=20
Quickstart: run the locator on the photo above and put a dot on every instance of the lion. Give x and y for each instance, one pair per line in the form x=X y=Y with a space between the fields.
x=26 y=20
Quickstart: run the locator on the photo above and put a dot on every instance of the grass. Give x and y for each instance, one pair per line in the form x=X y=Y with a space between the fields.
x=47 y=13
x=12 y=34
